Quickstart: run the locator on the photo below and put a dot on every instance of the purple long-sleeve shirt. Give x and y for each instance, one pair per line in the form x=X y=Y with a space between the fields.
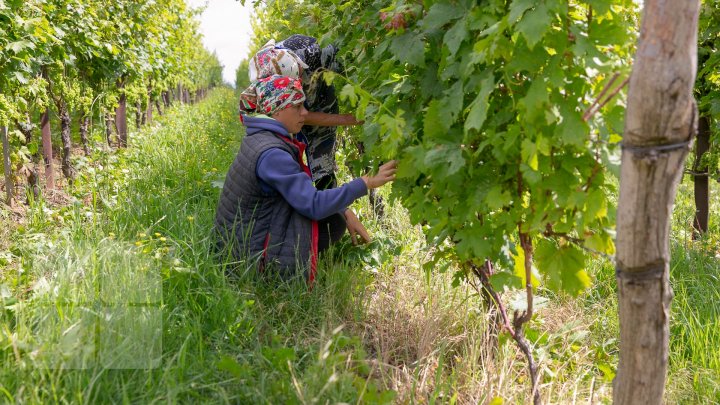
x=278 y=172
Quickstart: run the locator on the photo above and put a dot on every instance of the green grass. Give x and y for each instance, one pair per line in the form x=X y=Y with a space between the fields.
x=142 y=219
x=127 y=266
x=695 y=321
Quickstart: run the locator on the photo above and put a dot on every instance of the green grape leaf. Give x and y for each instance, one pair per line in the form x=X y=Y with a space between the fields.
x=19 y=46
x=596 y=206
x=452 y=103
x=497 y=197
x=519 y=268
x=479 y=107
x=600 y=242
x=528 y=152
x=502 y=279
x=455 y=159
x=440 y=14
x=434 y=125
x=543 y=145
x=573 y=130
x=392 y=127
x=348 y=94
x=535 y=99
x=600 y=7
x=564 y=266
x=518 y=7
x=21 y=78
x=534 y=24
x=409 y=48
x=445 y=156
x=471 y=242
x=456 y=35
x=408 y=165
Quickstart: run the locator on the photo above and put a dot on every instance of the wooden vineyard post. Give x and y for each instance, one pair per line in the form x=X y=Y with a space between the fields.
x=108 y=128
x=6 y=166
x=84 y=128
x=149 y=105
x=47 y=150
x=148 y=112
x=121 y=117
x=700 y=180
x=65 y=123
x=660 y=124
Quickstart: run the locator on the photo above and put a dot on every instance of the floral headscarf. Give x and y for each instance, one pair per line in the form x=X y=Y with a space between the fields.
x=271 y=60
x=272 y=94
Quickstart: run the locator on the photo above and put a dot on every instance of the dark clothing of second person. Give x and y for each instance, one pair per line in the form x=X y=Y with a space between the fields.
x=320 y=98
x=331 y=230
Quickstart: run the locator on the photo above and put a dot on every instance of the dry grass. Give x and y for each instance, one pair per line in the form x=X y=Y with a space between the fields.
x=430 y=342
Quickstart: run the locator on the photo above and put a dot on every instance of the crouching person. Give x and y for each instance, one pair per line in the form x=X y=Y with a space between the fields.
x=269 y=208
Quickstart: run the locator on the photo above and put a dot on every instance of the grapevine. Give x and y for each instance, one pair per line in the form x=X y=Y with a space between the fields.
x=483 y=105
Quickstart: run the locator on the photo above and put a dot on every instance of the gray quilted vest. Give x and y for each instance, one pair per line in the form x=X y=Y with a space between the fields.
x=258 y=226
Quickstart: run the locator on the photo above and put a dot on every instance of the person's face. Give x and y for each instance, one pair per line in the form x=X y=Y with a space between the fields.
x=292 y=117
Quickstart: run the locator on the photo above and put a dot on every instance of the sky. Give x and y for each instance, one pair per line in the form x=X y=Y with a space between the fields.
x=225 y=26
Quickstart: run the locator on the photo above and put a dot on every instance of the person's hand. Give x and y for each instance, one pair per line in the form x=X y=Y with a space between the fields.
x=349 y=120
x=385 y=174
x=356 y=228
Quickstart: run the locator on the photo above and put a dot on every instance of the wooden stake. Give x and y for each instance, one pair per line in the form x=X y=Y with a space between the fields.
x=6 y=166
x=660 y=124
x=700 y=180
x=47 y=150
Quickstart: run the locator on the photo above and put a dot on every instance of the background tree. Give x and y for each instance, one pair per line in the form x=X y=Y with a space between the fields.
x=242 y=79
